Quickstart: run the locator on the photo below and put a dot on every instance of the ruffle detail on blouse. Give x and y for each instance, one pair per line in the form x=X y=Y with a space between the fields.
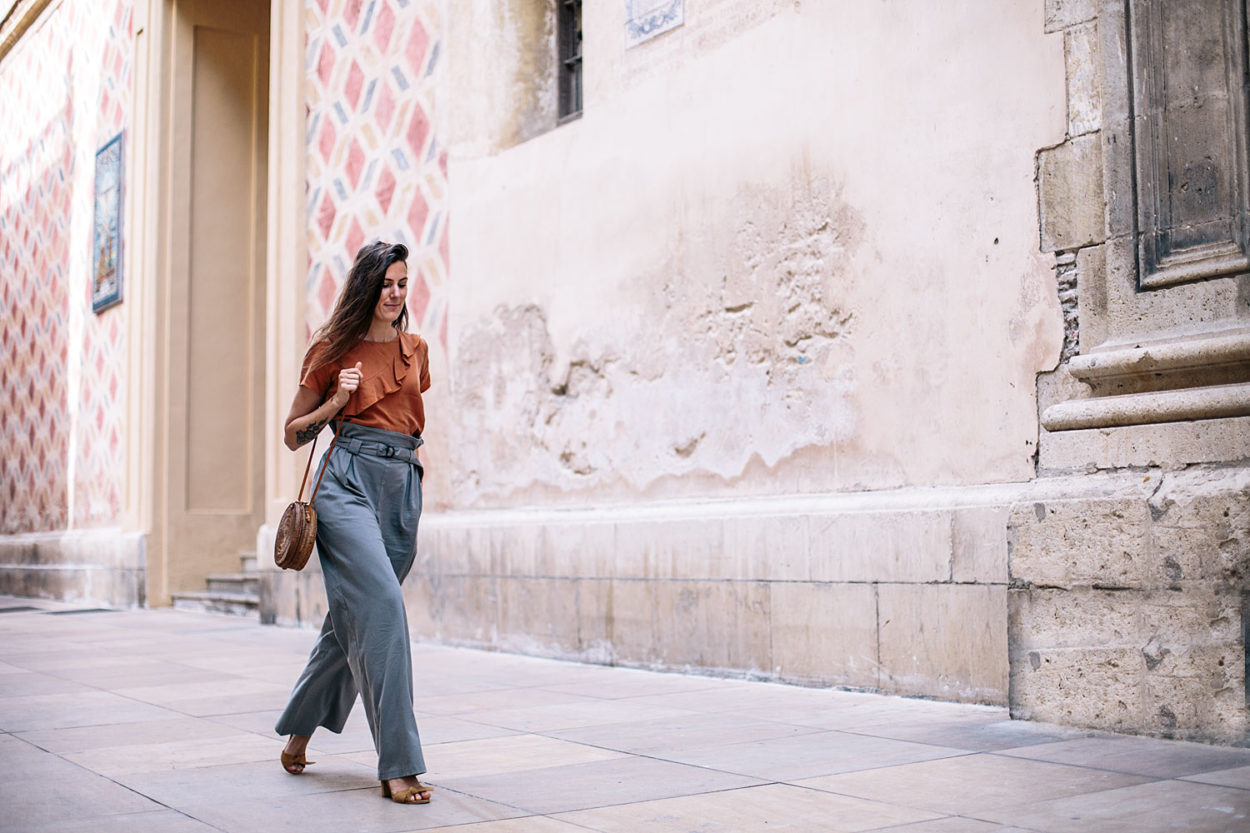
x=373 y=389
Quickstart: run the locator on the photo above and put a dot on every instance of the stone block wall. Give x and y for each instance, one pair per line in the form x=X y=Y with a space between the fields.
x=1128 y=583
x=909 y=598
x=286 y=597
x=104 y=566
x=1128 y=610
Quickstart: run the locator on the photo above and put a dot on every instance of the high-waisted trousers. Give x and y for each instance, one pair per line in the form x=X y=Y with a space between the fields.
x=368 y=507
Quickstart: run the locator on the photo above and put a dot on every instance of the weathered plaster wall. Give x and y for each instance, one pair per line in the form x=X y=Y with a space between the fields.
x=510 y=67
x=749 y=281
x=742 y=360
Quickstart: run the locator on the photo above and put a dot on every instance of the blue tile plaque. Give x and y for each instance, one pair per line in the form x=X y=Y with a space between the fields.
x=645 y=19
x=106 y=239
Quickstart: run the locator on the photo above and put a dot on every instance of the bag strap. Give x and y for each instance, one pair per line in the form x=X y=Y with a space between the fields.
x=312 y=452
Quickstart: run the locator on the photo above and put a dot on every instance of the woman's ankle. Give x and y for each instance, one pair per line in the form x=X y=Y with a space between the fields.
x=297 y=743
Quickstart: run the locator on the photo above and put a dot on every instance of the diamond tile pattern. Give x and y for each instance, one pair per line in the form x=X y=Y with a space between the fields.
x=376 y=165
x=66 y=91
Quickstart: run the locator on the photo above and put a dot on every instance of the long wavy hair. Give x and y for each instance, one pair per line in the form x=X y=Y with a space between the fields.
x=353 y=311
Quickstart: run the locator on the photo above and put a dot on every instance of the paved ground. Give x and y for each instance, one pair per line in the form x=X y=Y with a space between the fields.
x=142 y=721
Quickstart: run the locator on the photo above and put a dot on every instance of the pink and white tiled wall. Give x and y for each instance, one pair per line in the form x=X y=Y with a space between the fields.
x=66 y=91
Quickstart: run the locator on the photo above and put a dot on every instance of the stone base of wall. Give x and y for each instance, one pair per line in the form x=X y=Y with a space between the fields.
x=288 y=597
x=1128 y=604
x=1126 y=607
x=904 y=592
x=98 y=566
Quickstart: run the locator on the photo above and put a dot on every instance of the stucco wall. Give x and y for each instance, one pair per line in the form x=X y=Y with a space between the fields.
x=790 y=261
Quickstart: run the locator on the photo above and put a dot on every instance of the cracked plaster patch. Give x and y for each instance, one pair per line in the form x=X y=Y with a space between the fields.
x=730 y=355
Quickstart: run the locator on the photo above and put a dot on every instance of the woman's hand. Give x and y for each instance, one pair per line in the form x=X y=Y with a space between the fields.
x=349 y=380
x=308 y=416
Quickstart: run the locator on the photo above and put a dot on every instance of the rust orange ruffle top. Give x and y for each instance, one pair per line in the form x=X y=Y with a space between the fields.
x=395 y=374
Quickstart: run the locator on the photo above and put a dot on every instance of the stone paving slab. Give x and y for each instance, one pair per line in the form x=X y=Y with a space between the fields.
x=1239 y=777
x=972 y=785
x=162 y=720
x=1139 y=756
x=768 y=807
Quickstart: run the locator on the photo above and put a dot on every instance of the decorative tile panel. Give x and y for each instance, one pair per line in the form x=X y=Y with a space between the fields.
x=376 y=165
x=647 y=19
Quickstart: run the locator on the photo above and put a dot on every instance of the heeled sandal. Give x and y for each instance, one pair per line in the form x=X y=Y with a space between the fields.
x=403 y=795
x=289 y=761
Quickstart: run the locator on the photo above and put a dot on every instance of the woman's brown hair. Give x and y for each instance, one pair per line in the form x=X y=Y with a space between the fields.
x=353 y=311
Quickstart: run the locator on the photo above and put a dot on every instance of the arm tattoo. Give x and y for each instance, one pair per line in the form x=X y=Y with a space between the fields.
x=310 y=432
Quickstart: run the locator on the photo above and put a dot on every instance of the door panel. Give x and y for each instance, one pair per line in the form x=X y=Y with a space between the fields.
x=221 y=314
x=216 y=315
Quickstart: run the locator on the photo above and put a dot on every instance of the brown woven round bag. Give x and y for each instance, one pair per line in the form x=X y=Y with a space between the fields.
x=297 y=531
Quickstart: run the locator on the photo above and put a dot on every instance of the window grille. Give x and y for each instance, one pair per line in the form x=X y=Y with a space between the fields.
x=569 y=38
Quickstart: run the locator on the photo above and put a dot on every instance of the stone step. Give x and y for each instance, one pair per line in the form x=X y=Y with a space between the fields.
x=245 y=583
x=247 y=562
x=203 y=601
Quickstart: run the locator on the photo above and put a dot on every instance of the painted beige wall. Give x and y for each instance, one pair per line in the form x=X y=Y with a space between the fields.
x=789 y=260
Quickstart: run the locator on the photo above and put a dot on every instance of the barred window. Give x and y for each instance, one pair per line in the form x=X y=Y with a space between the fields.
x=569 y=44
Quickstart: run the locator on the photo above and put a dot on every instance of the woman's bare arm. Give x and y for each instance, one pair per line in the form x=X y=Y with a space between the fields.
x=307 y=418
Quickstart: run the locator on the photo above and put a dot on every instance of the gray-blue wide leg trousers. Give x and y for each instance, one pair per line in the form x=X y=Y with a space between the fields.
x=367 y=507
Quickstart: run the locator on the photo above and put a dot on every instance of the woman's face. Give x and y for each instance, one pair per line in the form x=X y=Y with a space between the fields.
x=394 y=293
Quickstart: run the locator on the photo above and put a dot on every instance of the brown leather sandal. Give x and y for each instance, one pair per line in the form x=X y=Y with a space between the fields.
x=403 y=795
x=289 y=762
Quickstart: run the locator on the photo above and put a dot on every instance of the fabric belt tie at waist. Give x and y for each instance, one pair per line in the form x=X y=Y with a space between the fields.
x=376 y=449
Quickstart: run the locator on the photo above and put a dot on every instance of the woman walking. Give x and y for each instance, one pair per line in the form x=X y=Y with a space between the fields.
x=365 y=372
